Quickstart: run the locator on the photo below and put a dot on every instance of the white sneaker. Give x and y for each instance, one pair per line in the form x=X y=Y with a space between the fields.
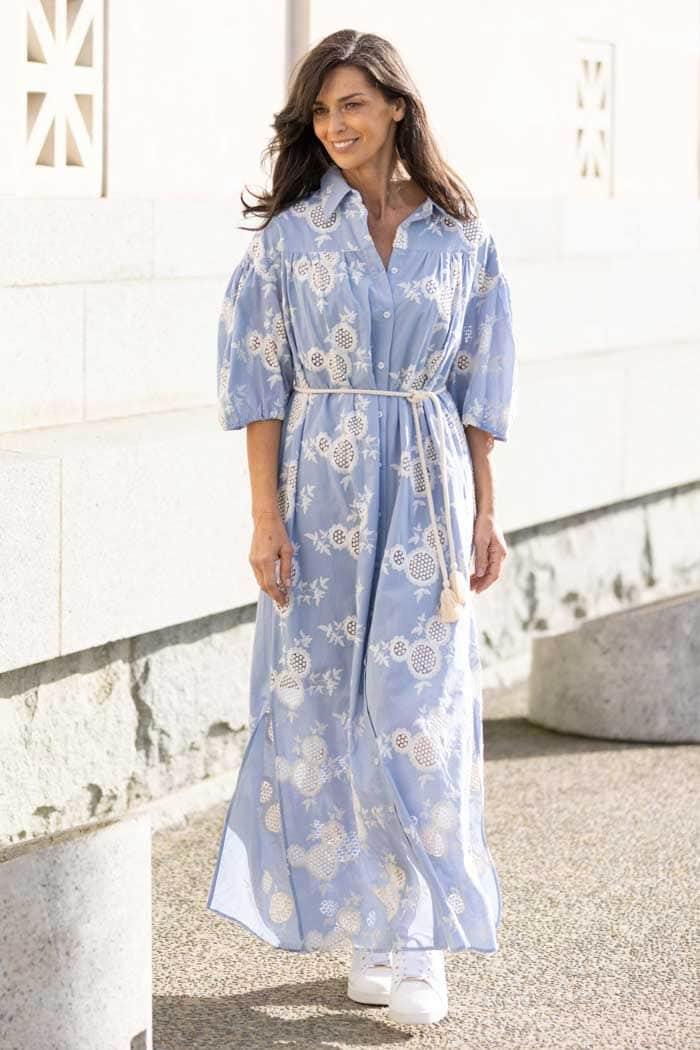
x=418 y=993
x=369 y=980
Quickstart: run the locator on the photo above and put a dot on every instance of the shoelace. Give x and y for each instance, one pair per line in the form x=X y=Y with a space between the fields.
x=415 y=964
x=365 y=958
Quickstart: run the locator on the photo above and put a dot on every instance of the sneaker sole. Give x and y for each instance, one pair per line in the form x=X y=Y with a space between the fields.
x=431 y=1018
x=367 y=999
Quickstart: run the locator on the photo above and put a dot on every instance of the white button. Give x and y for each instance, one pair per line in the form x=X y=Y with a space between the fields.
x=394 y=269
x=387 y=313
x=380 y=364
x=379 y=413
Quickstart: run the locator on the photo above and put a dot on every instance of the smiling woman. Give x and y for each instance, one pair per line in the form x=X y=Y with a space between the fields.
x=354 y=117
x=365 y=340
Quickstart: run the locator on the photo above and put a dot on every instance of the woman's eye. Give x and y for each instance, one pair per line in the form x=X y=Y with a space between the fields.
x=319 y=112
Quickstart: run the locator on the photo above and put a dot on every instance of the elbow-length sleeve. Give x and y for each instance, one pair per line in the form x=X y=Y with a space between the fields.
x=254 y=361
x=483 y=377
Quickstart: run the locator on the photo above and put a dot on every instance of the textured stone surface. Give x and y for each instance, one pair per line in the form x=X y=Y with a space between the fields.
x=75 y=929
x=595 y=844
x=161 y=718
x=103 y=731
x=559 y=574
x=41 y=349
x=157 y=331
x=633 y=675
x=40 y=238
x=30 y=488
x=148 y=527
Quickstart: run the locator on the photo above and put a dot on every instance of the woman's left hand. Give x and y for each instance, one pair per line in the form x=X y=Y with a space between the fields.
x=489 y=552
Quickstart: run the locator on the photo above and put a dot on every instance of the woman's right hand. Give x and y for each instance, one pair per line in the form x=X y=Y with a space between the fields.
x=270 y=542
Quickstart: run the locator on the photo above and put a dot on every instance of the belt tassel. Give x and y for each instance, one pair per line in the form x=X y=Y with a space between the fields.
x=459 y=586
x=449 y=606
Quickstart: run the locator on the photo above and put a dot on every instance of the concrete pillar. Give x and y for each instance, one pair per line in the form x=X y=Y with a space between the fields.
x=632 y=675
x=75 y=930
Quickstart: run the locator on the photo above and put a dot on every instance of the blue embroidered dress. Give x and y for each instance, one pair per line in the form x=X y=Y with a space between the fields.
x=358 y=814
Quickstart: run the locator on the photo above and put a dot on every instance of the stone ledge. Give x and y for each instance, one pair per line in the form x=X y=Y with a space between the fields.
x=631 y=675
x=118 y=239
x=107 y=731
x=138 y=522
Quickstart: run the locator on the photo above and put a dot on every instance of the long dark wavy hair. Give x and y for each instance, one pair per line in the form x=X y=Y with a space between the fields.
x=299 y=158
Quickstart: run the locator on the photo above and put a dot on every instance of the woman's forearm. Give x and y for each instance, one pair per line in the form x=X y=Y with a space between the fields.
x=263 y=443
x=480 y=445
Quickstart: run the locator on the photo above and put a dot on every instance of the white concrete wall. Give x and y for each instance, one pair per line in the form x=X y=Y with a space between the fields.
x=117 y=471
x=125 y=506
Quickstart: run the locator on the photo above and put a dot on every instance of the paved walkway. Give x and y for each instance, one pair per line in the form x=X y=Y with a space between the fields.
x=596 y=845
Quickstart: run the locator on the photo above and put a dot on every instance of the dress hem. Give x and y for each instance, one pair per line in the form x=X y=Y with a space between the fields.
x=344 y=951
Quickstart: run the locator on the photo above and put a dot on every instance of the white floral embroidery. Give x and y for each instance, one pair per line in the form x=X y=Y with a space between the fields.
x=352 y=535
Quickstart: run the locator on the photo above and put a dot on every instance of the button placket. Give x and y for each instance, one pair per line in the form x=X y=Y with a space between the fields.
x=383 y=343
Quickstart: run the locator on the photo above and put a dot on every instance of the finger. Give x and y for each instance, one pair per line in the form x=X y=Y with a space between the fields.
x=482 y=582
x=286 y=566
x=493 y=570
x=481 y=558
x=271 y=586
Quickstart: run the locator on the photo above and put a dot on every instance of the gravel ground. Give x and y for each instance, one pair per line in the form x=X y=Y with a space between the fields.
x=595 y=843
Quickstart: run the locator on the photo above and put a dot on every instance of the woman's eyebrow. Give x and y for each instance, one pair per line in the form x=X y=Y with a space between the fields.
x=343 y=99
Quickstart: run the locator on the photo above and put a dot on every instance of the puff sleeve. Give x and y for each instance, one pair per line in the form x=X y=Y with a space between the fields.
x=254 y=361
x=483 y=378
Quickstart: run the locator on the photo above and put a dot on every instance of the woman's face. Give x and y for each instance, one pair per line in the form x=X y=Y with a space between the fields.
x=348 y=107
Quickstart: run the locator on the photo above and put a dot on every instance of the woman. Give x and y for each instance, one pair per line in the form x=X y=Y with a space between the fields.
x=366 y=344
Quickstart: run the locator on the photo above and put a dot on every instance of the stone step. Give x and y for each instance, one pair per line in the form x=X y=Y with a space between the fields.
x=630 y=675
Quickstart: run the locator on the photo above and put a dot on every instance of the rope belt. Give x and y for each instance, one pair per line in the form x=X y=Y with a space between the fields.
x=454 y=586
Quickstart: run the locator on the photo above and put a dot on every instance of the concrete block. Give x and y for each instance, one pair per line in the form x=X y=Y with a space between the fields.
x=198 y=236
x=631 y=675
x=41 y=356
x=29 y=558
x=117 y=725
x=66 y=241
x=564 y=454
x=670 y=551
x=569 y=307
x=613 y=226
x=76 y=934
x=150 y=345
x=662 y=423
x=153 y=529
x=219 y=126
x=155 y=513
x=67 y=744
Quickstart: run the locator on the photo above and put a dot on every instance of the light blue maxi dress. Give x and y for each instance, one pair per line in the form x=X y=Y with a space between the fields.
x=358 y=814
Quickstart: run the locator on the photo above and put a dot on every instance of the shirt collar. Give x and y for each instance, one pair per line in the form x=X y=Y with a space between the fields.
x=335 y=188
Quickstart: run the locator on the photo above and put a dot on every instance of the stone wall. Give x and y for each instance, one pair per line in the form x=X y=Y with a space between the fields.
x=161 y=718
